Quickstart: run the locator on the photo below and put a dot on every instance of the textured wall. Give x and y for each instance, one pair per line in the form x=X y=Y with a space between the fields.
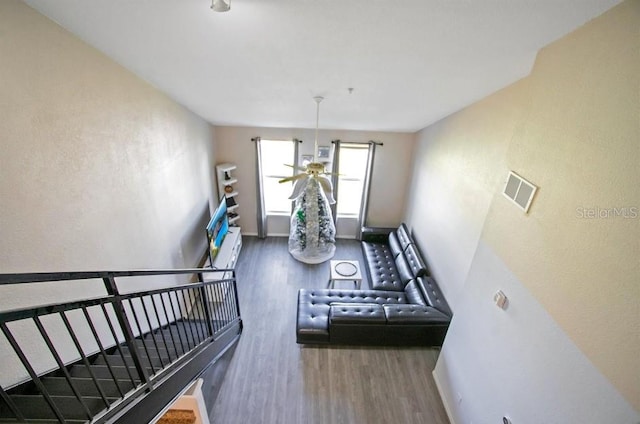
x=98 y=170
x=390 y=174
x=580 y=142
x=572 y=127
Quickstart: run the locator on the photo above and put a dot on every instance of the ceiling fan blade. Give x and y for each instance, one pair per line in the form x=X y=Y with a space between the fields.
x=295 y=177
x=298 y=168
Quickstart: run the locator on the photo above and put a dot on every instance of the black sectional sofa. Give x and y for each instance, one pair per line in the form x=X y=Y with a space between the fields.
x=404 y=307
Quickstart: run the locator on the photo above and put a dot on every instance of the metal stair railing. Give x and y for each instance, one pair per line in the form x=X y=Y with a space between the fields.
x=136 y=338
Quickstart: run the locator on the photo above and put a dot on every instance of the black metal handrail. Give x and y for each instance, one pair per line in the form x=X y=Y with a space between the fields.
x=137 y=337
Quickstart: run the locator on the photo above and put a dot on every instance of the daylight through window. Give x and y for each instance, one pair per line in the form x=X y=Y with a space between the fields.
x=275 y=154
x=352 y=170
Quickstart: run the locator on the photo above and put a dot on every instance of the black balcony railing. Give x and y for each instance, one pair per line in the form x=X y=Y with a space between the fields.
x=92 y=359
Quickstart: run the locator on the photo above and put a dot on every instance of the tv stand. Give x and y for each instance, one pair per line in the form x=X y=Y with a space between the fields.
x=229 y=251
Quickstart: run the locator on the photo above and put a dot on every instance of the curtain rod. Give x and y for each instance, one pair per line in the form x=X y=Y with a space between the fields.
x=377 y=143
x=254 y=139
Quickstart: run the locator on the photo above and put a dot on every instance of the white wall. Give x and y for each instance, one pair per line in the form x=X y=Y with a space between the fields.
x=567 y=348
x=98 y=170
x=390 y=174
x=518 y=362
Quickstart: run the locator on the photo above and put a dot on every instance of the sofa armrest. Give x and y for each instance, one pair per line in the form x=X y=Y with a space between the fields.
x=356 y=313
x=376 y=234
x=411 y=314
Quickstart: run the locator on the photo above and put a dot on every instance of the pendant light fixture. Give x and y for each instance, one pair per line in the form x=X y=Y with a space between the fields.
x=221 y=5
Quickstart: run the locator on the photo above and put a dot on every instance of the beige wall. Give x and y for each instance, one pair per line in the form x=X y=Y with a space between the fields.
x=99 y=170
x=580 y=143
x=391 y=172
x=573 y=128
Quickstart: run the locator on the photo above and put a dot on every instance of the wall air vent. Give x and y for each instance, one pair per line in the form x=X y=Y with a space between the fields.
x=519 y=191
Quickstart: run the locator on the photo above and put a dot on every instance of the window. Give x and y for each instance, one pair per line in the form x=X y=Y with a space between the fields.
x=275 y=154
x=352 y=169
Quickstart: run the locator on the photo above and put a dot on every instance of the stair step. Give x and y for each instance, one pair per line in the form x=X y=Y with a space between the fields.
x=36 y=407
x=86 y=386
x=161 y=350
x=182 y=338
x=172 y=341
x=101 y=372
x=118 y=360
x=183 y=331
x=161 y=344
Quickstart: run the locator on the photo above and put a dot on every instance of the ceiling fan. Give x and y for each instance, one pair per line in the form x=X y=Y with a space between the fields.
x=313 y=169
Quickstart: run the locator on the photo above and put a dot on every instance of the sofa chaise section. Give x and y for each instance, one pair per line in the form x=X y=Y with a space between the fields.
x=404 y=307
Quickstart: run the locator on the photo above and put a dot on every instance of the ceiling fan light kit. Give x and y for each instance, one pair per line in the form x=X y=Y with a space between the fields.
x=221 y=5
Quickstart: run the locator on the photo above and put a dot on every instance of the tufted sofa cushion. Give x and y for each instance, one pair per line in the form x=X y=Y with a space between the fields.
x=357 y=323
x=433 y=295
x=381 y=265
x=415 y=325
x=403 y=236
x=414 y=314
x=394 y=245
x=414 y=293
x=417 y=265
x=386 y=273
x=314 y=307
x=356 y=313
x=317 y=297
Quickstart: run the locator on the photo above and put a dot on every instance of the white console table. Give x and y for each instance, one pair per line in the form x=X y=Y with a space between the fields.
x=226 y=258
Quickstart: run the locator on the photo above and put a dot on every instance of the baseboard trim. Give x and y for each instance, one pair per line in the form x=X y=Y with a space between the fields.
x=443 y=398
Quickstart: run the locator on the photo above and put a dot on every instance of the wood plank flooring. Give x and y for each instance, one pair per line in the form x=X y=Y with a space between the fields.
x=271 y=379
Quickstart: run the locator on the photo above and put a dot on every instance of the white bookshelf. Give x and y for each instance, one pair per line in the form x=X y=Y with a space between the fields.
x=225 y=176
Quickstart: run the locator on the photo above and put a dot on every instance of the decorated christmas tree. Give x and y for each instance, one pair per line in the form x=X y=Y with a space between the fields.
x=312 y=231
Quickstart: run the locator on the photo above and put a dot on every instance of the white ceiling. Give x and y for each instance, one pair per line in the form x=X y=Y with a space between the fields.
x=410 y=62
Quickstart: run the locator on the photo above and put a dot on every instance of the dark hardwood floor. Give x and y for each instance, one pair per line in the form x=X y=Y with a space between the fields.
x=271 y=379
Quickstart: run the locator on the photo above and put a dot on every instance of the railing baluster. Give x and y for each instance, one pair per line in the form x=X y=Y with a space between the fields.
x=153 y=337
x=221 y=307
x=205 y=305
x=34 y=376
x=164 y=340
x=175 y=320
x=85 y=361
x=12 y=406
x=225 y=290
x=197 y=326
x=235 y=295
x=186 y=311
x=144 y=346
x=67 y=376
x=197 y=295
x=230 y=299
x=213 y=309
x=173 y=340
x=117 y=342
x=102 y=352
x=125 y=326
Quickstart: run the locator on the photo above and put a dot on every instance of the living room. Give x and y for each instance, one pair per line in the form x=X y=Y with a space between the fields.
x=566 y=347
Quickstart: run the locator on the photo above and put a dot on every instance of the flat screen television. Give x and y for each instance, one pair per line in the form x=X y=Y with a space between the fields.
x=217 y=228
